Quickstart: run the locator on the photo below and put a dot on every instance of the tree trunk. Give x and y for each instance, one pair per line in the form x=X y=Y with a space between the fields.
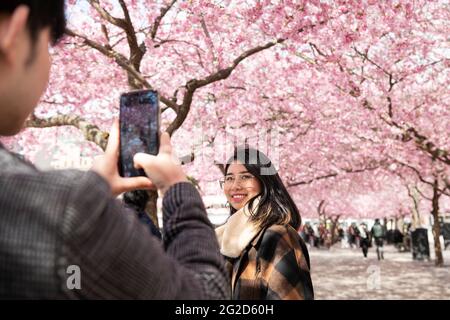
x=436 y=224
x=333 y=231
x=401 y=223
x=321 y=212
x=334 y=223
x=415 y=211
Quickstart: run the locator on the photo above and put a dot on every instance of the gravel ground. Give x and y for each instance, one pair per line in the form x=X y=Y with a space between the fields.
x=343 y=273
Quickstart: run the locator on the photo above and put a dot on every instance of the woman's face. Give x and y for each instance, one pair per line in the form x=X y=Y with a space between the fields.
x=240 y=185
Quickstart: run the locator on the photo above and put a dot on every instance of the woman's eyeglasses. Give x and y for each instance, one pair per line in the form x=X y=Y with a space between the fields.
x=242 y=179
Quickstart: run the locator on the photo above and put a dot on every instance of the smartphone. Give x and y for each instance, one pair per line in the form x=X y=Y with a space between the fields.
x=139 y=128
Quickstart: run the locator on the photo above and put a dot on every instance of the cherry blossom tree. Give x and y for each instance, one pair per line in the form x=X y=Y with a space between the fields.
x=349 y=98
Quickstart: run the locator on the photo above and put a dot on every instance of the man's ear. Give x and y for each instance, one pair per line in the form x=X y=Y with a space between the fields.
x=10 y=29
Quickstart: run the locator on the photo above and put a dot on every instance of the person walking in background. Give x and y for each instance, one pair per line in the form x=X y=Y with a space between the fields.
x=353 y=235
x=342 y=236
x=311 y=235
x=303 y=232
x=378 y=235
x=364 y=238
x=267 y=258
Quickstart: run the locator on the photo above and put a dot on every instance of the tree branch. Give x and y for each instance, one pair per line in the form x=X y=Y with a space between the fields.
x=136 y=52
x=123 y=62
x=321 y=208
x=332 y=175
x=159 y=19
x=419 y=175
x=209 y=40
x=423 y=195
x=91 y=132
x=410 y=194
x=365 y=56
x=422 y=142
x=409 y=133
x=194 y=84
x=106 y=15
x=225 y=73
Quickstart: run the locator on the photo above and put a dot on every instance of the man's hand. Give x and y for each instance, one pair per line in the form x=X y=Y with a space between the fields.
x=107 y=166
x=163 y=170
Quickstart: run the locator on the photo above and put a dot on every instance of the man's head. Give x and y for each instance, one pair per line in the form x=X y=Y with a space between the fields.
x=27 y=28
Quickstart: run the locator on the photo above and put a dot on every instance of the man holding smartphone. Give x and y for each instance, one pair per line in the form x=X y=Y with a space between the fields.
x=57 y=225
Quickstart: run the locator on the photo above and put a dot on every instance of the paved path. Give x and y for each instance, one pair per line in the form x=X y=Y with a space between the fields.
x=343 y=273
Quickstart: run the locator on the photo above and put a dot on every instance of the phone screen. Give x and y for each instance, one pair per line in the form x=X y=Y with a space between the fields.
x=139 y=128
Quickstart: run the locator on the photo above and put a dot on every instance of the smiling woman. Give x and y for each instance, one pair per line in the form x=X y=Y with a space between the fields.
x=246 y=188
x=266 y=257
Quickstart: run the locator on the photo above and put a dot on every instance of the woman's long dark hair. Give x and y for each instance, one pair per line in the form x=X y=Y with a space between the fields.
x=276 y=205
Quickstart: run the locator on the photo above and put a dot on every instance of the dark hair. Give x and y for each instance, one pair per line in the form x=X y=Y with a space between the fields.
x=137 y=201
x=276 y=205
x=48 y=13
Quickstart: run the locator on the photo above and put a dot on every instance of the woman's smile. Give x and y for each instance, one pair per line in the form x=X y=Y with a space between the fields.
x=238 y=197
x=240 y=186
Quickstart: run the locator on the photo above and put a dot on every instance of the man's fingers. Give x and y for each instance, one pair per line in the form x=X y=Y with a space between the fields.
x=143 y=160
x=114 y=139
x=137 y=183
x=165 y=144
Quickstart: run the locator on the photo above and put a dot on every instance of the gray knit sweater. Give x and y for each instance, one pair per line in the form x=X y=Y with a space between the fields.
x=63 y=235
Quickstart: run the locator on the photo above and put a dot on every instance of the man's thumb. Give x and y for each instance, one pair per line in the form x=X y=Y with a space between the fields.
x=143 y=160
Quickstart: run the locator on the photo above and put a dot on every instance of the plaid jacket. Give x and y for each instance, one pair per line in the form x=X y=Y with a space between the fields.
x=50 y=221
x=274 y=266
